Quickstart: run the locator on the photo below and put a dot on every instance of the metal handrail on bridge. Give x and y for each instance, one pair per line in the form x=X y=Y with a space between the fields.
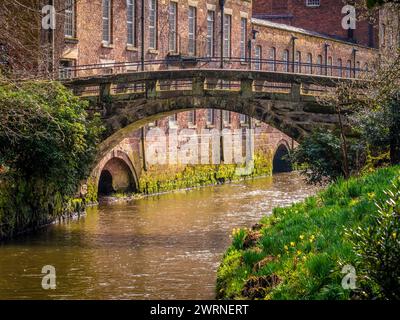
x=232 y=63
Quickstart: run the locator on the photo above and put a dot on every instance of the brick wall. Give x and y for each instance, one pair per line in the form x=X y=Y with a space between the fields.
x=326 y=18
x=87 y=48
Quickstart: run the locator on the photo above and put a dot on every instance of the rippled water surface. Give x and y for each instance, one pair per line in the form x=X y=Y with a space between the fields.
x=161 y=247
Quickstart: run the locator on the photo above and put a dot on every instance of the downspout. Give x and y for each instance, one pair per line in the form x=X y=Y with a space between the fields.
x=326 y=58
x=142 y=36
x=222 y=6
x=294 y=38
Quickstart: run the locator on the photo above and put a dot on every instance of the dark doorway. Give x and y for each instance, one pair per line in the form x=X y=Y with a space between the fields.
x=281 y=161
x=105 y=183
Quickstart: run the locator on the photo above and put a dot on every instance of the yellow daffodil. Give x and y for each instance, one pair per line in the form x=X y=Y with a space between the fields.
x=292 y=244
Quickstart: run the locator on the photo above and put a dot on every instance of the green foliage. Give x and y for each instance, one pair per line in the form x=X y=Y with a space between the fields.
x=321 y=155
x=380 y=129
x=378 y=248
x=168 y=178
x=308 y=241
x=47 y=146
x=45 y=132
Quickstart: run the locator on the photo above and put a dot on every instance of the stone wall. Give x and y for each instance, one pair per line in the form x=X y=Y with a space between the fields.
x=129 y=166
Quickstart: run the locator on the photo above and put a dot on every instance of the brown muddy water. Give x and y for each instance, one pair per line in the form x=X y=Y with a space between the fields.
x=161 y=247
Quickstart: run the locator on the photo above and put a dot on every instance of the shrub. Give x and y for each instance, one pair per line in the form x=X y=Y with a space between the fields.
x=378 y=249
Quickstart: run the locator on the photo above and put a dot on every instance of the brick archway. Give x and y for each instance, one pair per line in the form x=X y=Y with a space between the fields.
x=114 y=173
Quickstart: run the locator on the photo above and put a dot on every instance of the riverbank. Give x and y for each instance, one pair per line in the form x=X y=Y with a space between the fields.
x=299 y=252
x=164 y=246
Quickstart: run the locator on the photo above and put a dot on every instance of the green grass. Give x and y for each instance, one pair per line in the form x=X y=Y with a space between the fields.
x=307 y=241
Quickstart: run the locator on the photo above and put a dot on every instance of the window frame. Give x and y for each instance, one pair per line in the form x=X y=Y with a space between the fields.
x=72 y=22
x=243 y=39
x=153 y=28
x=192 y=34
x=173 y=27
x=227 y=47
x=131 y=24
x=107 y=33
x=210 y=35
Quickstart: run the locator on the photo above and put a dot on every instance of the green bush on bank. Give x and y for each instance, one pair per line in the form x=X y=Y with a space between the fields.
x=47 y=146
x=299 y=252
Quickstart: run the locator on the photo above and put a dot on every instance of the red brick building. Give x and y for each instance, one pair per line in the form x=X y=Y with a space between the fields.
x=323 y=16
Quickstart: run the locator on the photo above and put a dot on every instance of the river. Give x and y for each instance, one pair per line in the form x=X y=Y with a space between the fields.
x=161 y=247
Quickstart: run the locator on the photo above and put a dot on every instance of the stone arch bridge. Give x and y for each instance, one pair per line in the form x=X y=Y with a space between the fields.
x=286 y=101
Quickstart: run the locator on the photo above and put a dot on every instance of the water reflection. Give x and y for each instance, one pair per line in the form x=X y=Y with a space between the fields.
x=161 y=247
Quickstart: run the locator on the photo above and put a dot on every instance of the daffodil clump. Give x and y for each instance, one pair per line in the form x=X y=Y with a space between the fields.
x=306 y=246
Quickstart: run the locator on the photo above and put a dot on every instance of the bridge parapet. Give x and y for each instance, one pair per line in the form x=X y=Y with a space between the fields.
x=204 y=82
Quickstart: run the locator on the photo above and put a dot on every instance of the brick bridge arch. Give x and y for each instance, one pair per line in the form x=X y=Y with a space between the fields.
x=126 y=102
x=286 y=101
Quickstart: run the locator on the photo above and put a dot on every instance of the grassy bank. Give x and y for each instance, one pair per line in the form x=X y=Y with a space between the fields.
x=299 y=252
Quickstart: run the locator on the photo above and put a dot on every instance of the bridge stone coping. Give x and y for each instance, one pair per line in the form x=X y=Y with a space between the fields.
x=222 y=74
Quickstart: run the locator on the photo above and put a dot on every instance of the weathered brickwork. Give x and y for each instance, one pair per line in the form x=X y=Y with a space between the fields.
x=88 y=47
x=325 y=18
x=389 y=30
x=281 y=37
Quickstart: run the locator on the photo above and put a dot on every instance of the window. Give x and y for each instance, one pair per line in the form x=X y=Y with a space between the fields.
x=320 y=67
x=243 y=37
x=312 y=3
x=210 y=33
x=192 y=30
x=272 y=59
x=153 y=24
x=131 y=22
x=298 y=62
x=348 y=69
x=192 y=117
x=340 y=68
x=66 y=69
x=226 y=117
x=358 y=68
x=172 y=20
x=70 y=18
x=330 y=67
x=383 y=34
x=286 y=61
x=227 y=35
x=309 y=64
x=257 y=57
x=210 y=116
x=244 y=119
x=107 y=22
x=172 y=120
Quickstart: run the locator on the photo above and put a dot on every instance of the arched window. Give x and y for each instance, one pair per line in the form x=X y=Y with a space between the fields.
x=298 y=62
x=358 y=68
x=366 y=69
x=348 y=69
x=286 y=61
x=340 y=68
x=330 y=66
x=272 y=59
x=320 y=67
x=257 y=57
x=309 y=63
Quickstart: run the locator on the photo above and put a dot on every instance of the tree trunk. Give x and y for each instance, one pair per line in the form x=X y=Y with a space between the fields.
x=345 y=157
